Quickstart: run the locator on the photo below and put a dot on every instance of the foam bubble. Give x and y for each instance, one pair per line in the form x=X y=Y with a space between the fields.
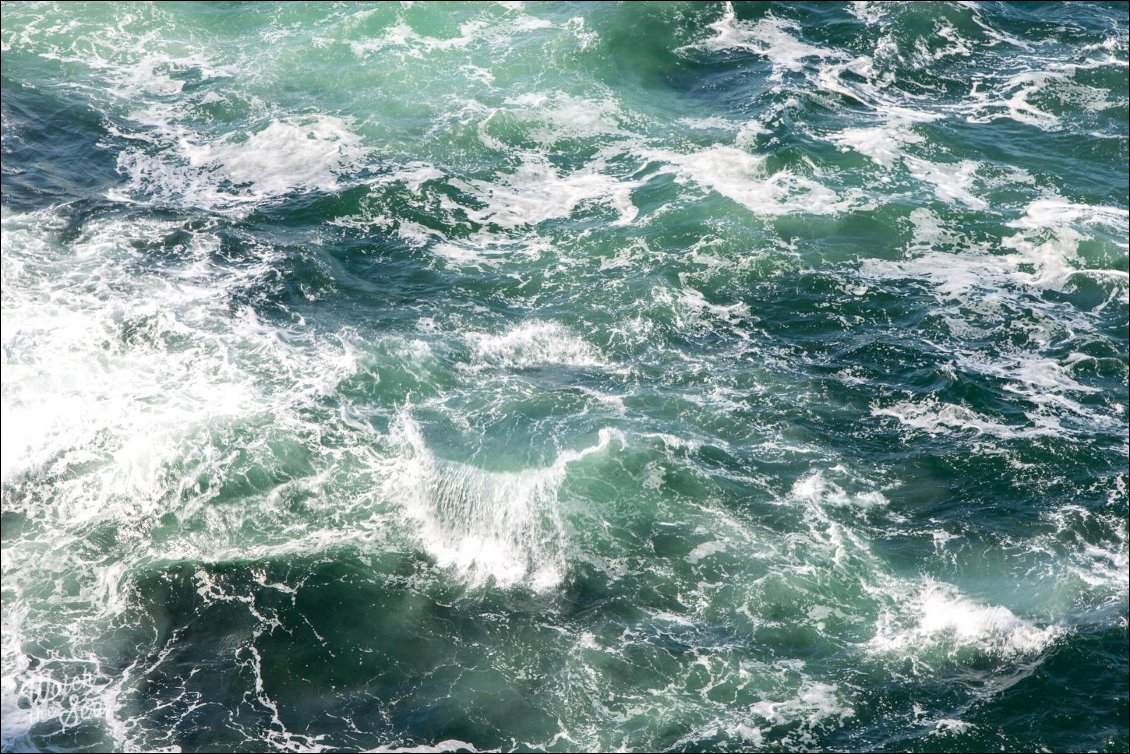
x=951 y=181
x=883 y=144
x=741 y=176
x=301 y=153
x=1049 y=235
x=532 y=344
x=450 y=744
x=768 y=36
x=816 y=488
x=1094 y=568
x=1044 y=252
x=64 y=387
x=559 y=115
x=500 y=527
x=705 y=550
x=935 y=417
x=923 y=57
x=402 y=35
x=816 y=706
x=401 y=38
x=949 y=726
x=868 y=12
x=1056 y=212
x=938 y=618
x=536 y=191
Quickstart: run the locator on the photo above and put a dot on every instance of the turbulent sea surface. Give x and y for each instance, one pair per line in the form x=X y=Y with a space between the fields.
x=565 y=376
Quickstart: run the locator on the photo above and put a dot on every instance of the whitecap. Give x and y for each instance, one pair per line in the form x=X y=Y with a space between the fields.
x=536 y=192
x=768 y=36
x=742 y=177
x=489 y=527
x=533 y=344
x=937 y=618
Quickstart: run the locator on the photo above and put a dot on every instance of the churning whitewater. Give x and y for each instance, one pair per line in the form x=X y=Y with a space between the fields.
x=526 y=376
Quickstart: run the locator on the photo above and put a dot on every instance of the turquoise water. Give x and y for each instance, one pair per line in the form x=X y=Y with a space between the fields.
x=565 y=376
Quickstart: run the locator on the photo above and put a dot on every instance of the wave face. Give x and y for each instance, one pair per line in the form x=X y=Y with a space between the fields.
x=564 y=376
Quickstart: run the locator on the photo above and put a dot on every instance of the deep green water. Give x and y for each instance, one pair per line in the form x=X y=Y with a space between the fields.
x=565 y=376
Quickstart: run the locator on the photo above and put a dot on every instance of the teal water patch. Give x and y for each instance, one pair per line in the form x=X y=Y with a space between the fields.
x=565 y=377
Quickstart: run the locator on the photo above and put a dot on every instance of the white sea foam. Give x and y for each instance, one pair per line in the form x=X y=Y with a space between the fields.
x=500 y=527
x=302 y=153
x=1055 y=84
x=883 y=144
x=816 y=488
x=118 y=373
x=1049 y=235
x=868 y=12
x=559 y=115
x=705 y=550
x=59 y=390
x=952 y=181
x=414 y=175
x=935 y=417
x=1095 y=566
x=286 y=155
x=120 y=376
x=948 y=726
x=534 y=344
x=692 y=310
x=402 y=39
x=936 y=617
x=1056 y=212
x=816 y=706
x=742 y=177
x=536 y=191
x=117 y=370
x=1044 y=252
x=482 y=249
x=401 y=35
x=923 y=57
x=450 y=744
x=768 y=36
x=953 y=276
x=993 y=33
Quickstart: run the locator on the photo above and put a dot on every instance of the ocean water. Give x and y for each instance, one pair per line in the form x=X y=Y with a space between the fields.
x=427 y=376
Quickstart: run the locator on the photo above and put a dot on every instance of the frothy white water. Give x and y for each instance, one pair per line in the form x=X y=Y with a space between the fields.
x=938 y=618
x=1048 y=238
x=536 y=191
x=768 y=36
x=1043 y=254
x=816 y=488
x=533 y=344
x=145 y=387
x=451 y=744
x=67 y=377
x=868 y=12
x=489 y=527
x=300 y=153
x=289 y=154
x=934 y=417
x=1096 y=567
x=815 y=705
x=952 y=727
x=1056 y=85
x=952 y=181
x=742 y=177
x=489 y=30
x=925 y=620
x=124 y=378
x=555 y=116
x=884 y=144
